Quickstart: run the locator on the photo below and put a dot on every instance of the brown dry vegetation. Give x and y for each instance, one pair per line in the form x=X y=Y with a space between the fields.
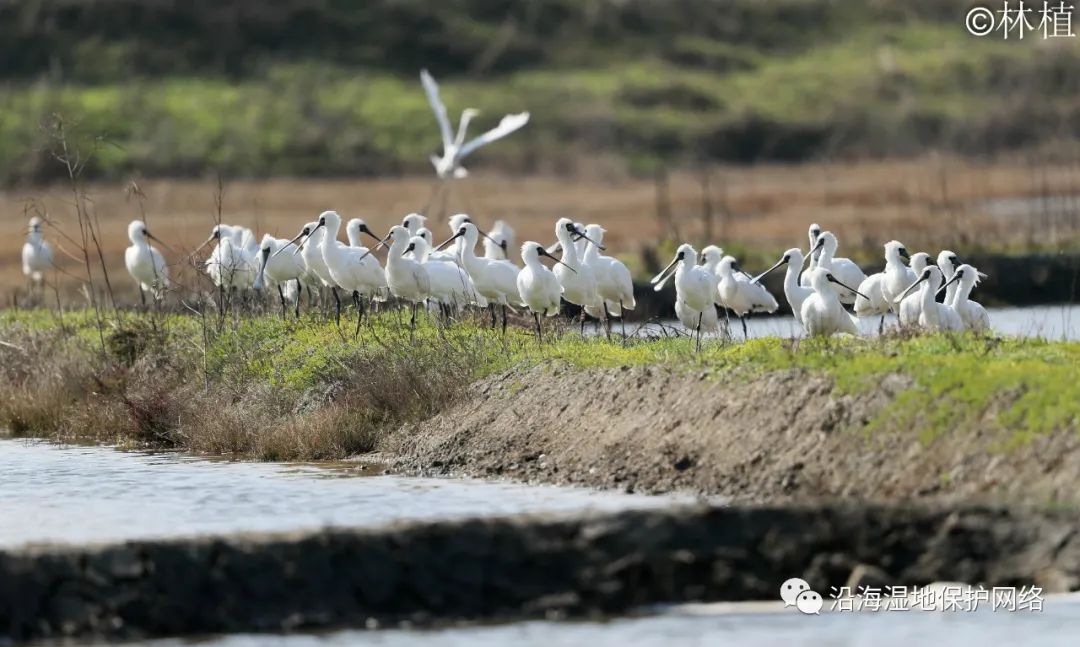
x=929 y=203
x=150 y=388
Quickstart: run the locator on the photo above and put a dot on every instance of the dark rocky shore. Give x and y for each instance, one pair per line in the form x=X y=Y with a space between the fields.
x=517 y=568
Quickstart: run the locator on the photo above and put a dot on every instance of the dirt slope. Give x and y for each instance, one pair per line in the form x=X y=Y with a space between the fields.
x=777 y=437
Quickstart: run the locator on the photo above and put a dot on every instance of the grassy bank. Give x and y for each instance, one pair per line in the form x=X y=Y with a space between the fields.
x=258 y=388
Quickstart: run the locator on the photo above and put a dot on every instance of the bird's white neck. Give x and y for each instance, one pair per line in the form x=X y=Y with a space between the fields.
x=791 y=276
x=570 y=250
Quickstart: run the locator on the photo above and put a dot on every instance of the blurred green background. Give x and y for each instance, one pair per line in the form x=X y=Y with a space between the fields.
x=330 y=88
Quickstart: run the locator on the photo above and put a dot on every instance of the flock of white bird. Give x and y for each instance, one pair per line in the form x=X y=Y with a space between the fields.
x=818 y=295
x=420 y=273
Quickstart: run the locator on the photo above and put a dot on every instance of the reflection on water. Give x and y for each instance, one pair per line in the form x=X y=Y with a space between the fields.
x=733 y=624
x=1055 y=323
x=81 y=494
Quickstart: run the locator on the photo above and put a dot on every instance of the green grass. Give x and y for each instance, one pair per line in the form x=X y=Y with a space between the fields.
x=960 y=384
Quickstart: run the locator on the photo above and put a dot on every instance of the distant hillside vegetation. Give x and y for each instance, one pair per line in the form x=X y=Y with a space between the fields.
x=329 y=87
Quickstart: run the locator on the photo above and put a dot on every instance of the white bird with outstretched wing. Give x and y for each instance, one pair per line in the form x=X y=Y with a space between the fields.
x=454 y=150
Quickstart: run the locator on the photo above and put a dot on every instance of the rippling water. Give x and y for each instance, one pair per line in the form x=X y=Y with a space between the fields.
x=742 y=625
x=81 y=494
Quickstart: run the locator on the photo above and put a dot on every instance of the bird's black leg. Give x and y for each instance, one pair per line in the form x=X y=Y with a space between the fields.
x=504 y=319
x=697 y=347
x=491 y=307
x=337 y=303
x=622 y=319
x=299 y=289
x=539 y=333
x=881 y=325
x=142 y=296
x=744 y=335
x=281 y=296
x=359 y=312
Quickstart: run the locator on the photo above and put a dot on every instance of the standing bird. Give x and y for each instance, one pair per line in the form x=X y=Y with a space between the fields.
x=495 y=280
x=934 y=316
x=614 y=284
x=948 y=262
x=972 y=314
x=501 y=240
x=577 y=279
x=883 y=287
x=741 y=294
x=843 y=269
x=413 y=222
x=406 y=278
x=352 y=269
x=37 y=253
x=795 y=294
x=694 y=290
x=454 y=149
x=911 y=305
x=812 y=233
x=451 y=286
x=822 y=313
x=145 y=263
x=281 y=271
x=538 y=287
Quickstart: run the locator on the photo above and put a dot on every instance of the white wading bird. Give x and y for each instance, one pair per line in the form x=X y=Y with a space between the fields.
x=577 y=279
x=911 y=305
x=495 y=280
x=883 y=288
x=845 y=270
x=452 y=255
x=972 y=314
x=822 y=312
x=935 y=316
x=37 y=254
x=710 y=260
x=812 y=233
x=352 y=269
x=406 y=278
x=413 y=222
x=315 y=270
x=145 y=263
x=740 y=294
x=451 y=286
x=454 y=149
x=614 y=284
x=281 y=271
x=948 y=262
x=501 y=241
x=694 y=290
x=538 y=286
x=795 y=294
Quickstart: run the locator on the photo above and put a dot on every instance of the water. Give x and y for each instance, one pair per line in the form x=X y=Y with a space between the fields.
x=89 y=494
x=97 y=494
x=1054 y=323
x=746 y=625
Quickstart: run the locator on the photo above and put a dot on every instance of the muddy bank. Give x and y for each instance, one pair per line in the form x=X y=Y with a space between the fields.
x=517 y=568
x=782 y=436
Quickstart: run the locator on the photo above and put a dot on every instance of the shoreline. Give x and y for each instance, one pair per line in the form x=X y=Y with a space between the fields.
x=887 y=419
x=573 y=566
x=840 y=460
